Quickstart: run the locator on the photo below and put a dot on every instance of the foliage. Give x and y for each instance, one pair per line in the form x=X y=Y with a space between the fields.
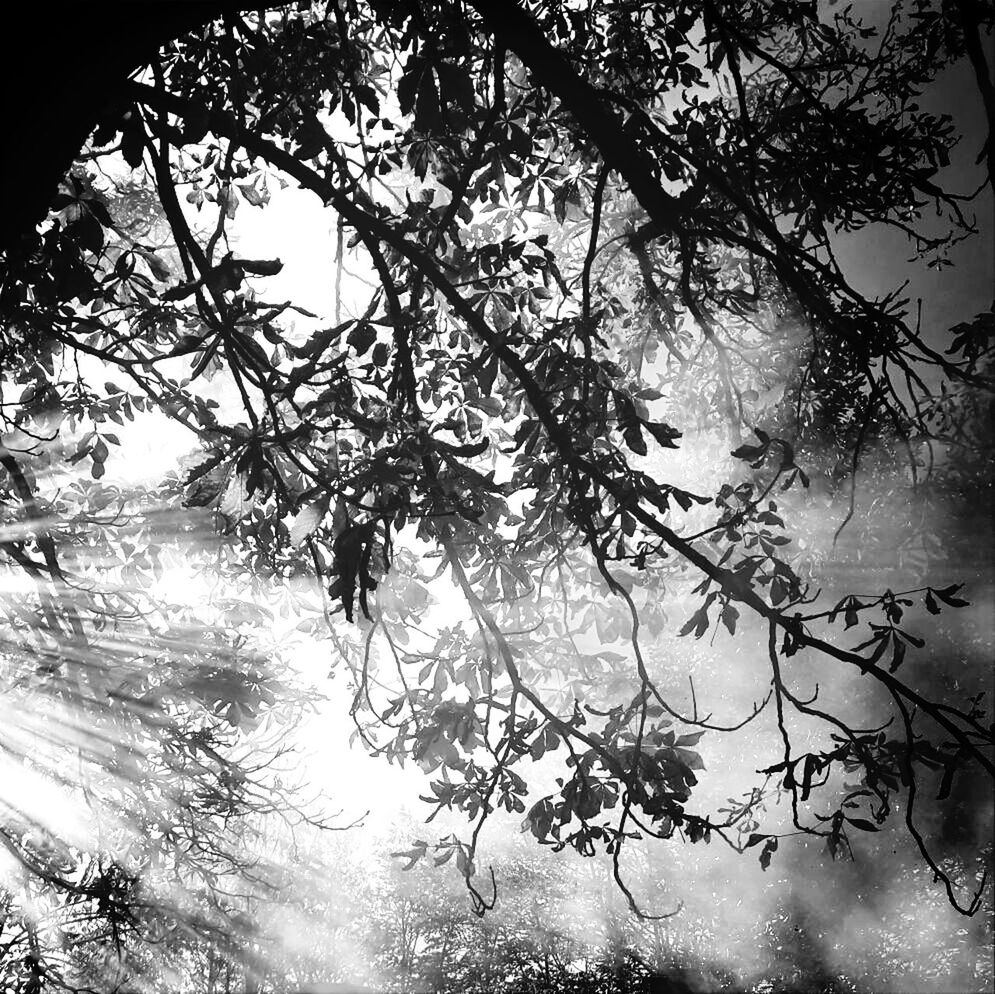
x=561 y=925
x=162 y=725
x=585 y=231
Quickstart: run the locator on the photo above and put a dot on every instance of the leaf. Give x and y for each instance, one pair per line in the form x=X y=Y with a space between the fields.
x=809 y=769
x=834 y=843
x=850 y=617
x=634 y=439
x=455 y=86
x=463 y=863
x=87 y=233
x=307 y=521
x=488 y=374
x=99 y=211
x=160 y=269
x=256 y=195
x=428 y=116
x=863 y=824
x=407 y=86
x=947 y=596
x=691 y=759
x=226 y=275
x=729 y=616
x=63 y=200
x=769 y=849
x=748 y=452
x=261 y=267
x=898 y=655
x=560 y=204
x=236 y=499
x=256 y=353
x=690 y=739
x=698 y=623
x=663 y=433
x=132 y=139
x=321 y=340
x=228 y=200
x=362 y=337
x=412 y=855
x=947 y=782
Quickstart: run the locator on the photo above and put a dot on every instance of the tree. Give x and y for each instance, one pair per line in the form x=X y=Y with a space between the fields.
x=580 y=227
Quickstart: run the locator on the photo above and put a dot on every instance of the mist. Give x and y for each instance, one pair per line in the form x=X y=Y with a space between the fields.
x=497 y=498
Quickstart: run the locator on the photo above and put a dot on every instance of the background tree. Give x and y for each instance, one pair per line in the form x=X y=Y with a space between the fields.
x=161 y=725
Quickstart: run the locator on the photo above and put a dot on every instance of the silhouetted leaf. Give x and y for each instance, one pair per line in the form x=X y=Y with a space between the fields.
x=362 y=337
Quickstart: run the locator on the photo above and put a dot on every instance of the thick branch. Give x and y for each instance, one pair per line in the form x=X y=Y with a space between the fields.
x=518 y=31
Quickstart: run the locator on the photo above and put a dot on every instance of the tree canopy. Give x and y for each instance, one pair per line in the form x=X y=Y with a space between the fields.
x=569 y=244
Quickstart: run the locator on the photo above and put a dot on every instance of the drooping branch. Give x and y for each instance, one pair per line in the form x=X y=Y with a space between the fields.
x=735 y=587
